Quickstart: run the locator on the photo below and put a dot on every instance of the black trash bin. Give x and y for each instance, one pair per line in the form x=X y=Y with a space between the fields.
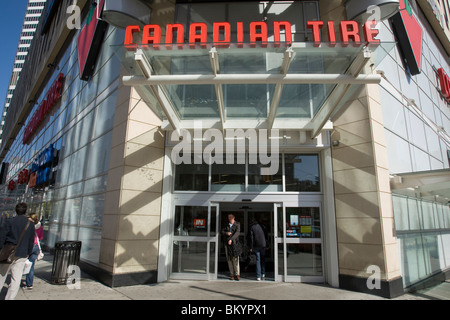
x=67 y=253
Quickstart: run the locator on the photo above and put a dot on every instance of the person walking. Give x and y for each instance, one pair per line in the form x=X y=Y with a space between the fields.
x=232 y=246
x=11 y=233
x=257 y=243
x=33 y=217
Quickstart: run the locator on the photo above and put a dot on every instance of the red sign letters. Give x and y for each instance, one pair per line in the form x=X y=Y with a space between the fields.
x=151 y=34
x=46 y=106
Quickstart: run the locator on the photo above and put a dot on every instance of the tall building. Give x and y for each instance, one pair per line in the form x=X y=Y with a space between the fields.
x=138 y=136
x=30 y=23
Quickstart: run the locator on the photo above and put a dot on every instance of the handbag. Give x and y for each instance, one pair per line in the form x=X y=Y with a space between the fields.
x=8 y=252
x=41 y=254
x=27 y=267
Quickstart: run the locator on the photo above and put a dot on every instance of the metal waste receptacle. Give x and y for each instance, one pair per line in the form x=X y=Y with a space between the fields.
x=67 y=253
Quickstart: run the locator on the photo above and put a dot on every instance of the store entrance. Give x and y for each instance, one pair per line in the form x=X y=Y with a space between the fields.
x=245 y=213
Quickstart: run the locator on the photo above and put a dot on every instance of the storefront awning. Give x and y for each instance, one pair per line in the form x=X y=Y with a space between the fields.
x=432 y=185
x=298 y=87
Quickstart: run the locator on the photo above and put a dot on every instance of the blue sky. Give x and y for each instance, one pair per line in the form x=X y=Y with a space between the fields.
x=12 y=14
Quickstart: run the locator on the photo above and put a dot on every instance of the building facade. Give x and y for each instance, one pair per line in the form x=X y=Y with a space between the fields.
x=30 y=22
x=138 y=140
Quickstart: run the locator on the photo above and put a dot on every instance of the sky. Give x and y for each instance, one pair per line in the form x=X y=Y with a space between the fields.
x=12 y=14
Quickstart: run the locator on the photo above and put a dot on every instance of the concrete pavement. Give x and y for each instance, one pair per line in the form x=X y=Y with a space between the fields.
x=224 y=290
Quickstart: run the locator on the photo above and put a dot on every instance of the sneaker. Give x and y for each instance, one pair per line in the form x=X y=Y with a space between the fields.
x=29 y=287
x=258 y=279
x=238 y=278
x=263 y=276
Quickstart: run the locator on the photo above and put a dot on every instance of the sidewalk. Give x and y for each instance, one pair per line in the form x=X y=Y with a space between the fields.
x=224 y=290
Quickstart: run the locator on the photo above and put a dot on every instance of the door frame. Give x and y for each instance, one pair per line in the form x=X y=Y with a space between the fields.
x=208 y=240
x=283 y=240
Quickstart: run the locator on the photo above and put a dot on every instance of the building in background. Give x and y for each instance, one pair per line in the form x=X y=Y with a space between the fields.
x=353 y=186
x=30 y=23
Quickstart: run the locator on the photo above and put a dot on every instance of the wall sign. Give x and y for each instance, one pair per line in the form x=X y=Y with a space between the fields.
x=152 y=35
x=408 y=34
x=23 y=177
x=90 y=41
x=46 y=106
x=41 y=170
x=11 y=185
x=444 y=83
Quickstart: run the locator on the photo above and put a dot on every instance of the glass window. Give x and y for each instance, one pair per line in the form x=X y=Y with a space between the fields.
x=229 y=177
x=427 y=214
x=191 y=221
x=413 y=212
x=104 y=118
x=301 y=223
x=413 y=258
x=400 y=213
x=191 y=177
x=91 y=240
x=189 y=257
x=98 y=156
x=258 y=182
x=302 y=172
x=72 y=211
x=304 y=259
x=92 y=211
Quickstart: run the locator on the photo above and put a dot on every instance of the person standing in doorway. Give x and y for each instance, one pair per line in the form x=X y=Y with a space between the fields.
x=11 y=233
x=257 y=243
x=232 y=248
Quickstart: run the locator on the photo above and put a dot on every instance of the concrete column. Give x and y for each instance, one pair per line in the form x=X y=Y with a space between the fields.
x=131 y=219
x=364 y=214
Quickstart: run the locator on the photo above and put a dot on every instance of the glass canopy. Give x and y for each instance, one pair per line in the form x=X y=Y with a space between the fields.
x=242 y=87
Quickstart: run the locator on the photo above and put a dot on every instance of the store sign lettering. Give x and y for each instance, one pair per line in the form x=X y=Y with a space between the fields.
x=152 y=34
x=46 y=106
x=11 y=185
x=444 y=82
x=23 y=177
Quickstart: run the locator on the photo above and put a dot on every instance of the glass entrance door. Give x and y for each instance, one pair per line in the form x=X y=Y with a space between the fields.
x=194 y=245
x=245 y=213
x=299 y=244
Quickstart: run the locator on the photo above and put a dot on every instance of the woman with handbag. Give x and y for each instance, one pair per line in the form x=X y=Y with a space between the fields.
x=37 y=252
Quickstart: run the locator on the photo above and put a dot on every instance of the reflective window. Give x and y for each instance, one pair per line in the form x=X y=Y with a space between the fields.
x=259 y=182
x=191 y=221
x=304 y=259
x=302 y=172
x=301 y=222
x=229 y=177
x=191 y=177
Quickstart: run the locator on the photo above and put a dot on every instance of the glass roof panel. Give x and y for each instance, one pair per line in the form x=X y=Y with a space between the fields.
x=248 y=100
x=193 y=101
x=244 y=99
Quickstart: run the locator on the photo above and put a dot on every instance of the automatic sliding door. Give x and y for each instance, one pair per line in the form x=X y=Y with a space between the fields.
x=300 y=244
x=194 y=246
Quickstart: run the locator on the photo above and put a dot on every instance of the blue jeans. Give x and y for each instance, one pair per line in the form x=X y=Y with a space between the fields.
x=260 y=261
x=30 y=276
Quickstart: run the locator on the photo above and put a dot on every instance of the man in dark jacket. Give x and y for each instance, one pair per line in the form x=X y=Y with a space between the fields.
x=230 y=235
x=257 y=243
x=11 y=233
